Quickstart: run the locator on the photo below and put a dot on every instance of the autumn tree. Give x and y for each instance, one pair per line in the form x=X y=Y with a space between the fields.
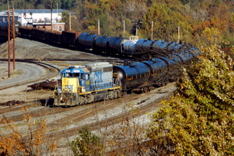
x=32 y=141
x=166 y=17
x=86 y=144
x=199 y=118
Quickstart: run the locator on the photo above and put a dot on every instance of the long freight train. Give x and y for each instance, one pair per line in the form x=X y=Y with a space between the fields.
x=103 y=81
x=140 y=49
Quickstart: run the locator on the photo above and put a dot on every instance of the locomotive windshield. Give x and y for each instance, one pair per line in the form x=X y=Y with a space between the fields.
x=83 y=76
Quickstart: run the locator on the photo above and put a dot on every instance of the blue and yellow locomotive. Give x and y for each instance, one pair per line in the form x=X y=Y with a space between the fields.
x=87 y=84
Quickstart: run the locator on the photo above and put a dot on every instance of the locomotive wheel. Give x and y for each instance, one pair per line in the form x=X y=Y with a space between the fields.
x=115 y=94
x=58 y=100
x=145 y=89
x=90 y=98
x=150 y=88
x=70 y=101
x=118 y=93
x=82 y=100
x=111 y=95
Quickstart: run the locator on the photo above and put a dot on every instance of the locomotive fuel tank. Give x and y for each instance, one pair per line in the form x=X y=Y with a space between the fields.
x=132 y=76
x=86 y=41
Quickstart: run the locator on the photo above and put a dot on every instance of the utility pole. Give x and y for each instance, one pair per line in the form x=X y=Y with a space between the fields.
x=69 y=21
x=51 y=14
x=136 y=29
x=9 y=40
x=98 y=27
x=123 y=28
x=178 y=34
x=152 y=30
x=13 y=33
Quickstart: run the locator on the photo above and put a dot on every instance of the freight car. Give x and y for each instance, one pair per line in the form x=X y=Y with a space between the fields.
x=69 y=38
x=4 y=28
x=86 y=41
x=54 y=37
x=157 y=48
x=25 y=32
x=140 y=49
x=100 y=81
x=39 y=34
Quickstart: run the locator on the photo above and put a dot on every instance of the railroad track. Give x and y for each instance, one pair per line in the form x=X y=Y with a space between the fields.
x=52 y=72
x=99 y=124
x=65 y=122
x=101 y=108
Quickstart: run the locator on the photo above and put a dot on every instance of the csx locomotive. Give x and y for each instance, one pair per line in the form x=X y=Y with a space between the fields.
x=103 y=81
x=141 y=49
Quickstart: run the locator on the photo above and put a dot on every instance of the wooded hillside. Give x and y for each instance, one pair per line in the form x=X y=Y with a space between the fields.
x=191 y=17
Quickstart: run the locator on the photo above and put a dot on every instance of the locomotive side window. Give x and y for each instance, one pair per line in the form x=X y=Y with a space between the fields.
x=84 y=76
x=87 y=76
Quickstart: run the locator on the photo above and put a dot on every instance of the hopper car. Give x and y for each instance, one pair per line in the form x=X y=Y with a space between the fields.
x=104 y=81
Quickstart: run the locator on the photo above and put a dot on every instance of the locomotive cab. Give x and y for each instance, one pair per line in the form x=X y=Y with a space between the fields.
x=75 y=79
